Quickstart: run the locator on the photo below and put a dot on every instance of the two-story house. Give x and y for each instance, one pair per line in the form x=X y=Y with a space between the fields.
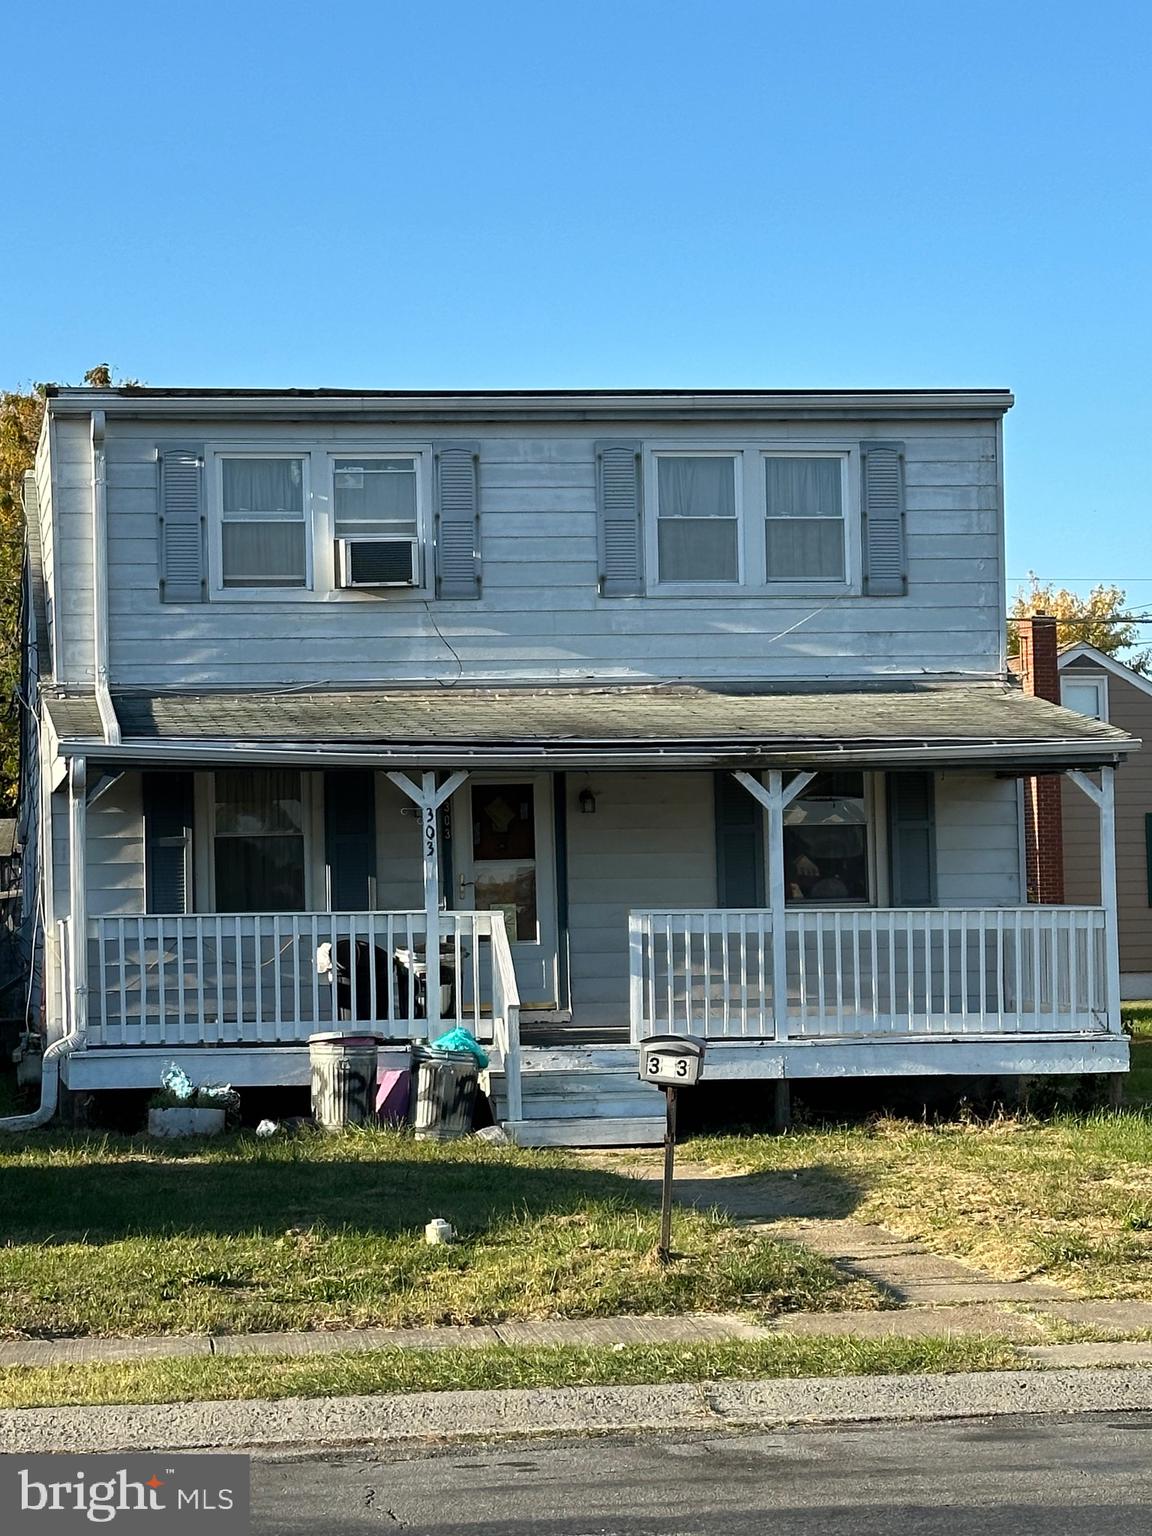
x=642 y=711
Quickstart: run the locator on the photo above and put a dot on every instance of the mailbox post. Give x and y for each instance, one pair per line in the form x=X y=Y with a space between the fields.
x=671 y=1062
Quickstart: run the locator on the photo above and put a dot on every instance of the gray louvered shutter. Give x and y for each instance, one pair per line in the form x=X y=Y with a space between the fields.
x=183 y=547
x=168 y=842
x=619 y=516
x=912 y=838
x=739 y=845
x=457 y=520
x=350 y=838
x=885 y=565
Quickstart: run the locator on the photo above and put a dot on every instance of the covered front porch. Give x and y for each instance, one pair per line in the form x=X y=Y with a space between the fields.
x=812 y=907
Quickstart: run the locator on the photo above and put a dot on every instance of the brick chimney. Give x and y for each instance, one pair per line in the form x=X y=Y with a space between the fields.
x=1039 y=674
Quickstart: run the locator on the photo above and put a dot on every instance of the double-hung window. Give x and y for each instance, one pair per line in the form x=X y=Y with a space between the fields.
x=751 y=519
x=263 y=521
x=259 y=840
x=698 y=530
x=804 y=518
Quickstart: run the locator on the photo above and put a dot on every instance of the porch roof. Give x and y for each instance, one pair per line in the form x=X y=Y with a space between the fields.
x=991 y=725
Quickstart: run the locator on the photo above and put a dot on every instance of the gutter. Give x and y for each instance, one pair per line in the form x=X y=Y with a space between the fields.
x=77 y=945
x=1025 y=756
x=108 y=720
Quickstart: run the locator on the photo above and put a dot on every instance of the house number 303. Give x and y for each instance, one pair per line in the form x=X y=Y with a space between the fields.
x=430 y=833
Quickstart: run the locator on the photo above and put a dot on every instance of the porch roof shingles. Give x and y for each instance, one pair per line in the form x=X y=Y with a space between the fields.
x=970 y=722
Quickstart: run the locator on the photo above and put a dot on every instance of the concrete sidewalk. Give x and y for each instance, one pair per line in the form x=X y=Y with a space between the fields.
x=298 y=1424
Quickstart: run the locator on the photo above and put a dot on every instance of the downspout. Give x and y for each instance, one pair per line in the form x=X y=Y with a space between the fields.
x=108 y=720
x=77 y=957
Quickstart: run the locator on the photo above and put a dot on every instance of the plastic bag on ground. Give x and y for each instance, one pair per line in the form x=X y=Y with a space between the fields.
x=461 y=1039
x=177 y=1082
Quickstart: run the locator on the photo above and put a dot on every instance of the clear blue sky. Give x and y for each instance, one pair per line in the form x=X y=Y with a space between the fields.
x=664 y=194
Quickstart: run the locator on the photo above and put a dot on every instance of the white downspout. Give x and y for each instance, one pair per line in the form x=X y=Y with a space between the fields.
x=108 y=720
x=78 y=956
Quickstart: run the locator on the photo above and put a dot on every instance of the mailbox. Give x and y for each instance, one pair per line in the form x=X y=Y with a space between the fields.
x=673 y=1061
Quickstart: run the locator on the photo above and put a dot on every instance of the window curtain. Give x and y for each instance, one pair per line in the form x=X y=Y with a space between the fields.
x=804 y=534
x=259 y=842
x=263 y=488
x=697 y=523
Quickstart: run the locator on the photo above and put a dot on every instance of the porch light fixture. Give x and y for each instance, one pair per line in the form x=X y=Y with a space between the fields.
x=587 y=801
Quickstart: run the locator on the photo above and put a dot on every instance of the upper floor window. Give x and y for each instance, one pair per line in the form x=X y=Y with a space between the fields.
x=1086 y=695
x=263 y=522
x=751 y=519
x=375 y=498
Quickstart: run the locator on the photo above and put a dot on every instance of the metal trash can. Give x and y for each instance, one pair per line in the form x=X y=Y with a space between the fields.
x=445 y=1096
x=343 y=1067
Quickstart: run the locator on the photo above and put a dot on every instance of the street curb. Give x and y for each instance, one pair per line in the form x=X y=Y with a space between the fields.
x=294 y=1423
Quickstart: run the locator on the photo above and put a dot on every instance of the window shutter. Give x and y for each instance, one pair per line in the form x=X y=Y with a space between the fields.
x=350 y=838
x=183 y=556
x=912 y=839
x=1148 y=853
x=739 y=845
x=885 y=564
x=457 y=520
x=168 y=842
x=618 y=514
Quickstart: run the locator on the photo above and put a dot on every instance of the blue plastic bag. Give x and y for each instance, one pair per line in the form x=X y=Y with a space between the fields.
x=461 y=1039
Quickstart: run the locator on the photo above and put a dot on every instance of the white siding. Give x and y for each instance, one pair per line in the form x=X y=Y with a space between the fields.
x=651 y=843
x=400 y=873
x=116 y=850
x=72 y=548
x=977 y=841
x=540 y=617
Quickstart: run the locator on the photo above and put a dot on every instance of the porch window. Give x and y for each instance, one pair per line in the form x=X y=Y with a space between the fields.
x=826 y=858
x=804 y=519
x=263 y=539
x=697 y=529
x=259 y=840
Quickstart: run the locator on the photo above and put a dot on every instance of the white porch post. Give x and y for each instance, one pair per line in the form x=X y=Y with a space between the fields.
x=78 y=896
x=775 y=798
x=1104 y=798
x=428 y=800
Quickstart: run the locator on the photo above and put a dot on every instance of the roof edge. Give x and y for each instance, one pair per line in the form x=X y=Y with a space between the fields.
x=542 y=405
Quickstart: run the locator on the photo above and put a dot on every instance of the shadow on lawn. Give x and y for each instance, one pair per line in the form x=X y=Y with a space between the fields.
x=106 y=1200
x=171 y=1193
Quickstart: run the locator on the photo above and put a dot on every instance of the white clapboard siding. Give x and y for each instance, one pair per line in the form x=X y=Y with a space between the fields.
x=539 y=615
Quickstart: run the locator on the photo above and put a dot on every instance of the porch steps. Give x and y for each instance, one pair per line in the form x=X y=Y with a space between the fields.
x=582 y=1097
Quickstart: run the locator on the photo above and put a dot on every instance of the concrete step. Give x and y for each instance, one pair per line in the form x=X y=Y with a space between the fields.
x=596 y=1131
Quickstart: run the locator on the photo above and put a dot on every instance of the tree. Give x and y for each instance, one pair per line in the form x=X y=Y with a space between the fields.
x=1098 y=619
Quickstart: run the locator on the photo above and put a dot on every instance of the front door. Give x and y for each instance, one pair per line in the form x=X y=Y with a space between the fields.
x=504 y=854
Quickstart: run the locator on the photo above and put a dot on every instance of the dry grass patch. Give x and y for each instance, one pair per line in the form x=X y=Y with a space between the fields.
x=1069 y=1200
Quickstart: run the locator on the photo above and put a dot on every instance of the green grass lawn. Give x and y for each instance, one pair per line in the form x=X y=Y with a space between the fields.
x=374 y=1372
x=1138 y=1087
x=111 y=1235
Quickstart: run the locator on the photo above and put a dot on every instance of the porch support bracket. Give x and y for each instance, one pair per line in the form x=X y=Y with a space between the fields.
x=428 y=797
x=776 y=796
x=1103 y=797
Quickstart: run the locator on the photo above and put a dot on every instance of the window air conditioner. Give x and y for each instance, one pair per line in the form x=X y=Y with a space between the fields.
x=377 y=562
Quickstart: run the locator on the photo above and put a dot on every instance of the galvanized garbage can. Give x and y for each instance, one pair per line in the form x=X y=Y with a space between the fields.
x=445 y=1094
x=343 y=1079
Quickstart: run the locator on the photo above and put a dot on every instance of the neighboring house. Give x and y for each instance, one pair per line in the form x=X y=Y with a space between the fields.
x=664 y=711
x=1098 y=686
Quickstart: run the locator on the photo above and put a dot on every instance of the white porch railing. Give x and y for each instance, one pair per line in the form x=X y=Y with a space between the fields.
x=871 y=972
x=210 y=979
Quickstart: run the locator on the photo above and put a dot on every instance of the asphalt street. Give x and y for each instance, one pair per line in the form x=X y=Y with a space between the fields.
x=1026 y=1476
